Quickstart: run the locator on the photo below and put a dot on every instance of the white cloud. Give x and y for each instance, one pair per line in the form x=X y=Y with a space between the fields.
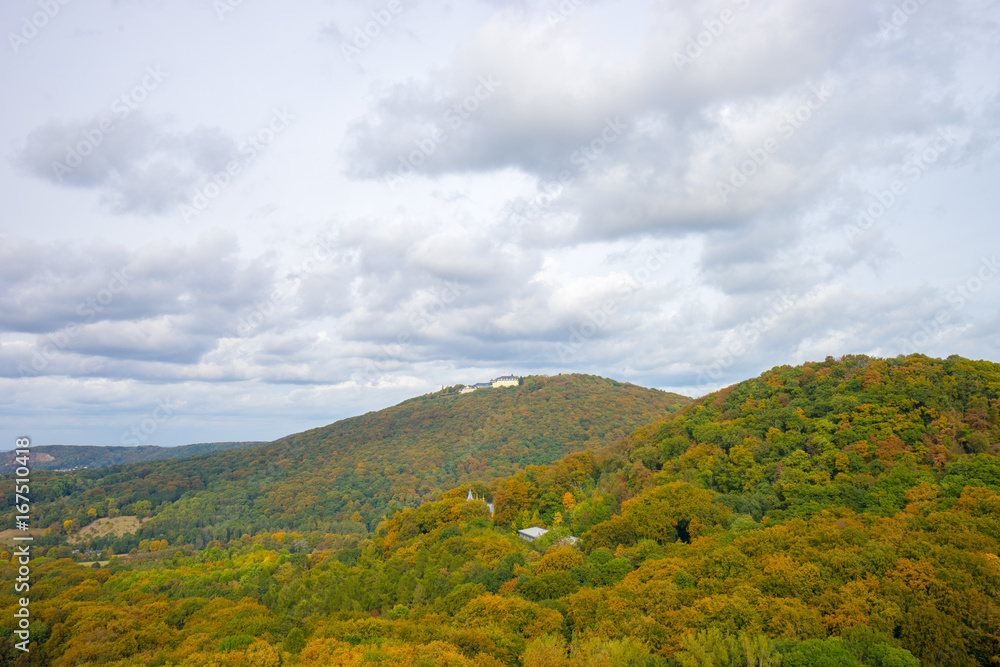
x=544 y=161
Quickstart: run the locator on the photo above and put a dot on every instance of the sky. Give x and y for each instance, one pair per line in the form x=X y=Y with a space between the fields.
x=238 y=219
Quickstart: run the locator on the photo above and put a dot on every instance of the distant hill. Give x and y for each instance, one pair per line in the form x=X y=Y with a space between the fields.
x=71 y=457
x=345 y=476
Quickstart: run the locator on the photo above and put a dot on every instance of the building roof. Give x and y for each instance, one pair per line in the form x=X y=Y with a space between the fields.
x=534 y=532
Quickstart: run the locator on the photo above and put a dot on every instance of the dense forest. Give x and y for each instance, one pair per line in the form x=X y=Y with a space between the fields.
x=343 y=478
x=68 y=457
x=836 y=513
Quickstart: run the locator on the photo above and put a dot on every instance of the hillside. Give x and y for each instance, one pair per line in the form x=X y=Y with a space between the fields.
x=345 y=476
x=836 y=513
x=70 y=457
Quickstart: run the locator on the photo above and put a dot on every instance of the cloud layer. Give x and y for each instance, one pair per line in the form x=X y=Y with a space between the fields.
x=676 y=195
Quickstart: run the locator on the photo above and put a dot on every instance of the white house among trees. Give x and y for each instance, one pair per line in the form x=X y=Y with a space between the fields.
x=531 y=534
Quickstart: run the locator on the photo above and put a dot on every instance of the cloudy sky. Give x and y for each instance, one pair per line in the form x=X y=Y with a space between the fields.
x=238 y=219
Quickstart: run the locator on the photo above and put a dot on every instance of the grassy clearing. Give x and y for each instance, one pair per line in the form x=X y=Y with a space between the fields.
x=117 y=526
x=7 y=536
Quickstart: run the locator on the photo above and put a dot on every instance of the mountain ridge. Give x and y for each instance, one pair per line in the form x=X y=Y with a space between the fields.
x=70 y=457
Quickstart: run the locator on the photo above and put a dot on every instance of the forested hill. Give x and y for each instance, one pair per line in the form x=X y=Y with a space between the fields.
x=856 y=432
x=345 y=476
x=433 y=442
x=68 y=457
x=841 y=512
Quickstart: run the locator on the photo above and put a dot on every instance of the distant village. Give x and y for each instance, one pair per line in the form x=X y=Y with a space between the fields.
x=502 y=381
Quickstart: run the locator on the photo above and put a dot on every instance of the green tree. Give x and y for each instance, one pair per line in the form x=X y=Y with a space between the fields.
x=295 y=641
x=816 y=653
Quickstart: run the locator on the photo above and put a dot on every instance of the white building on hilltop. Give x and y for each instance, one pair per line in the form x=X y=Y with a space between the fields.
x=472 y=387
x=507 y=381
x=502 y=381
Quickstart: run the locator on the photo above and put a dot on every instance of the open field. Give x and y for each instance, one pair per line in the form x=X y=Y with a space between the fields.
x=117 y=526
x=7 y=536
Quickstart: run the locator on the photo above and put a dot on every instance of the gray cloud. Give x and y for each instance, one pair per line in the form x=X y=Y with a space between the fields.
x=158 y=303
x=690 y=123
x=135 y=163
